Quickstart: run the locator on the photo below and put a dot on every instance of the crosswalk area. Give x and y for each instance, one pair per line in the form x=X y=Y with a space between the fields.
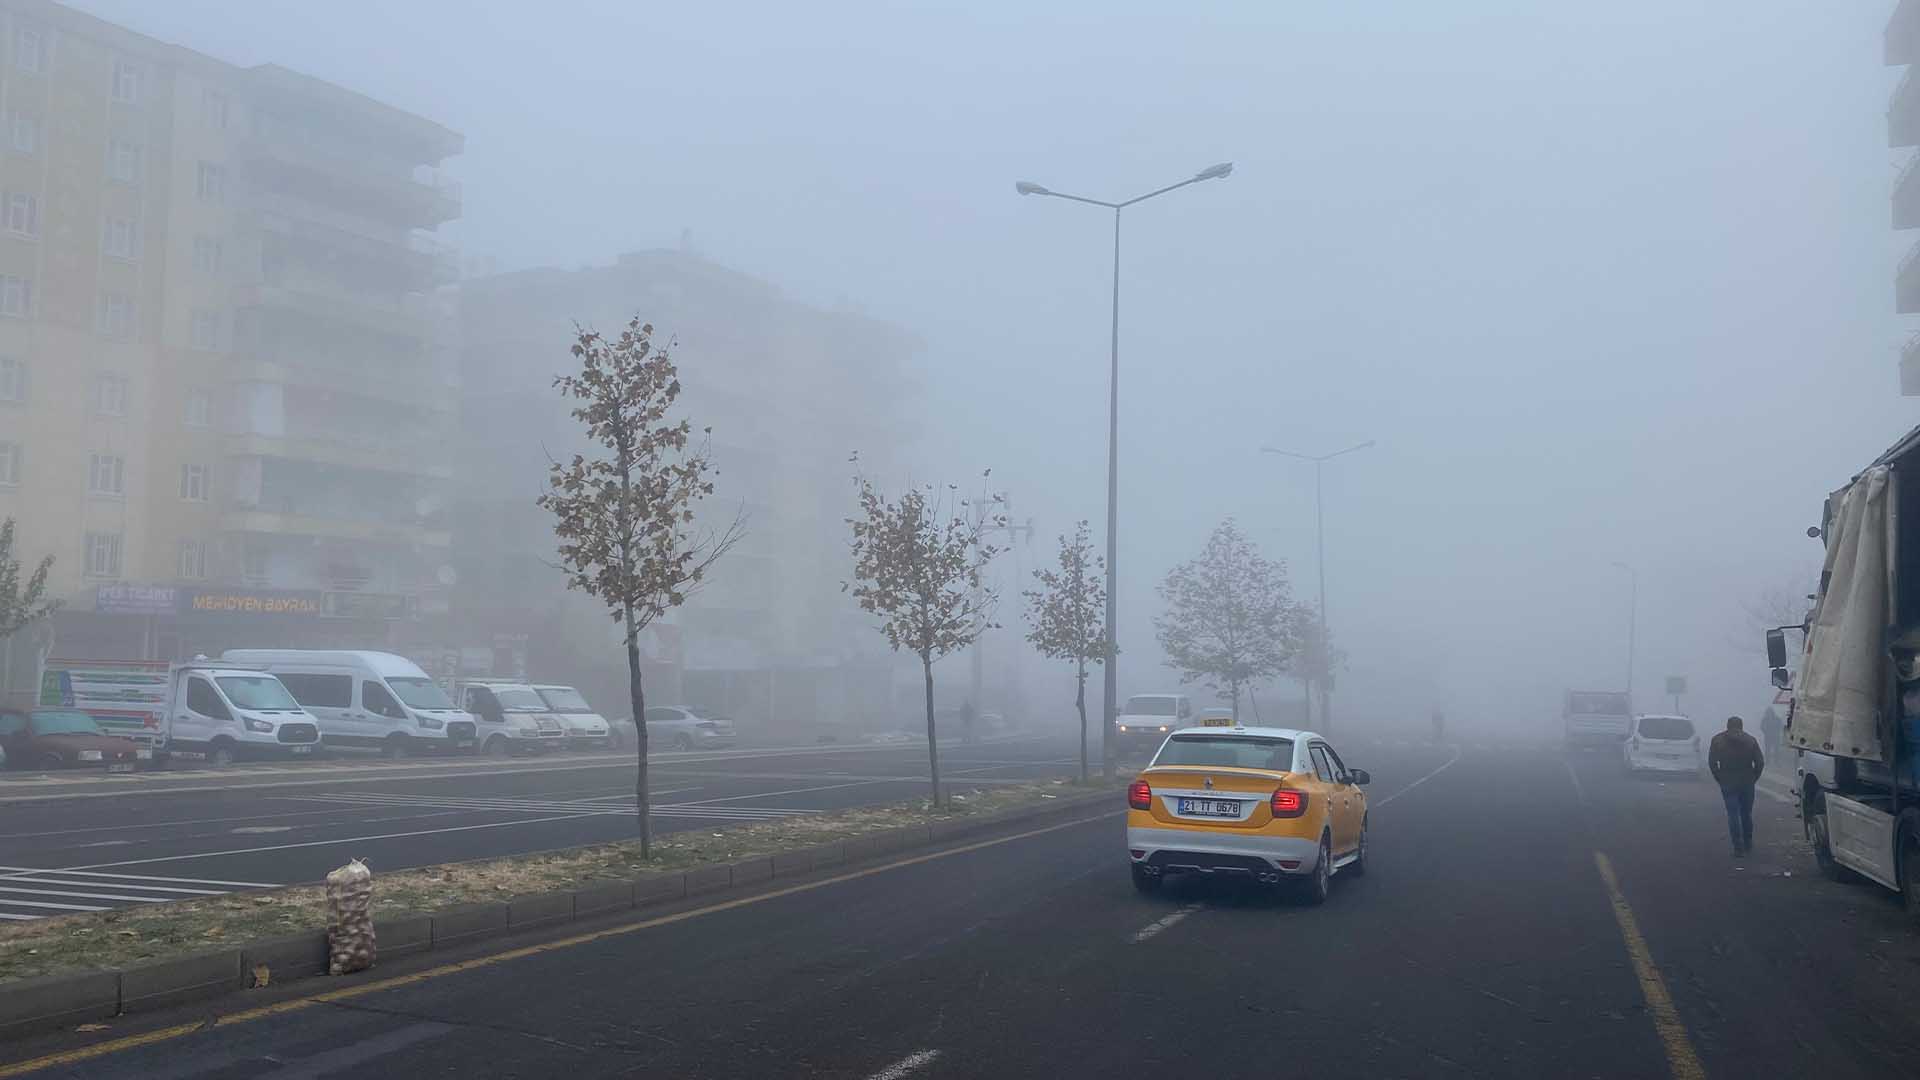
x=27 y=893
x=619 y=806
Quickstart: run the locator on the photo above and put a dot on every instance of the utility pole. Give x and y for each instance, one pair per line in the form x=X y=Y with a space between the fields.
x=1320 y=556
x=1013 y=532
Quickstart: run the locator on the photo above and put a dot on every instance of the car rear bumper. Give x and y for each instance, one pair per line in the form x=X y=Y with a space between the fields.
x=1643 y=763
x=1193 y=851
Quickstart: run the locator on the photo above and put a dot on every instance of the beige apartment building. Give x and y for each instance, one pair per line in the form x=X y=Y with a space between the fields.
x=226 y=391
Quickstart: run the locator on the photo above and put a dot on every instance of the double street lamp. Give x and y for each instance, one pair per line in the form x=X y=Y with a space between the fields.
x=1111 y=683
x=1633 y=622
x=1320 y=557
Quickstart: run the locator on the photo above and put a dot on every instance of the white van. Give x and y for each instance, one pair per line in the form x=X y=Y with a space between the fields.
x=510 y=718
x=585 y=727
x=373 y=700
x=1148 y=718
x=228 y=713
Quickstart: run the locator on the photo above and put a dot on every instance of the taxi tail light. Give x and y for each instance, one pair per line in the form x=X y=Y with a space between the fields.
x=1140 y=795
x=1287 y=802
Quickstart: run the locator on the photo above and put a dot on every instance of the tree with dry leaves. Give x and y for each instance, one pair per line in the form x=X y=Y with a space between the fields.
x=919 y=564
x=21 y=604
x=1315 y=658
x=1066 y=614
x=1229 y=617
x=625 y=517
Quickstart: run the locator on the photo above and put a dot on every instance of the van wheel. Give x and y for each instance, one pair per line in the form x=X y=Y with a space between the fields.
x=1813 y=812
x=221 y=754
x=497 y=746
x=398 y=748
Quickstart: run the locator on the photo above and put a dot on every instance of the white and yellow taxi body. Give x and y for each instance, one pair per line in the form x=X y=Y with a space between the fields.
x=1266 y=804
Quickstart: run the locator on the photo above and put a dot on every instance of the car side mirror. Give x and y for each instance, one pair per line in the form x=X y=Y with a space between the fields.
x=1782 y=678
x=1777 y=650
x=1359 y=777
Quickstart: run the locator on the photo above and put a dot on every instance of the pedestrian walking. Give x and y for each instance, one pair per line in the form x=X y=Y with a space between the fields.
x=1736 y=761
x=1770 y=730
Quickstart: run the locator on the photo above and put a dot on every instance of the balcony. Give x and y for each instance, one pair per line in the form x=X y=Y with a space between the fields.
x=423 y=262
x=370 y=375
x=243 y=519
x=1903 y=113
x=1906 y=284
x=395 y=317
x=1902 y=38
x=1910 y=367
x=406 y=456
x=420 y=197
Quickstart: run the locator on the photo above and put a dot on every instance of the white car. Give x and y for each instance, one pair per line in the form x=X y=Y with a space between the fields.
x=1660 y=743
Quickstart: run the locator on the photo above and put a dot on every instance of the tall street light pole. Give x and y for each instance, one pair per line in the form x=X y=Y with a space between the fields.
x=1320 y=557
x=1633 y=620
x=1111 y=679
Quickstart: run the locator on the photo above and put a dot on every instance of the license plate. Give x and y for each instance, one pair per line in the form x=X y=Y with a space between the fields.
x=1227 y=808
x=120 y=766
x=1216 y=721
x=300 y=749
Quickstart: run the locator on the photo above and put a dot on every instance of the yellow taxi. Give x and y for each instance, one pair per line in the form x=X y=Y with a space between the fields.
x=1273 y=805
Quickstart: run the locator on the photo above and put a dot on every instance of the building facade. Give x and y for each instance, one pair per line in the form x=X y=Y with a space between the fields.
x=1901 y=44
x=226 y=392
x=789 y=391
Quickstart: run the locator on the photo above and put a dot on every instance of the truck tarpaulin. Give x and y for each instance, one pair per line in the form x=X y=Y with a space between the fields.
x=1842 y=684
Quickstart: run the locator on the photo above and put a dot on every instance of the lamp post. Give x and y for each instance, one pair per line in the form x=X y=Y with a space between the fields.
x=1633 y=620
x=1111 y=682
x=1320 y=557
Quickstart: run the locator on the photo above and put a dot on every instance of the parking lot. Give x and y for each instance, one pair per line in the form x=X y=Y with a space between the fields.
x=89 y=841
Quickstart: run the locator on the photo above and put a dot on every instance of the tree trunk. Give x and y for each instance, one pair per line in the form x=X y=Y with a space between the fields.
x=933 y=737
x=1080 y=703
x=638 y=699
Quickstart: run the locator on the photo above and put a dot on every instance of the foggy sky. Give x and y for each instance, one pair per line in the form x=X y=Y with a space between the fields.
x=1606 y=282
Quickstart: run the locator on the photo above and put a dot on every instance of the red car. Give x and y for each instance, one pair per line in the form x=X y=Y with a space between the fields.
x=58 y=738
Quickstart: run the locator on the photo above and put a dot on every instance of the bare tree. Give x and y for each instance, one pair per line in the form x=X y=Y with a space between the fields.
x=21 y=604
x=1229 y=616
x=1315 y=658
x=1785 y=603
x=919 y=563
x=1067 y=613
x=625 y=522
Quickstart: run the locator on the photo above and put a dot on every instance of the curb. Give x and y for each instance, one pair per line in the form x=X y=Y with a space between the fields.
x=56 y=1001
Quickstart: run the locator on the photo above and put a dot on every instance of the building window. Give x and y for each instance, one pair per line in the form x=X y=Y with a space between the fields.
x=199 y=409
x=103 y=554
x=206 y=329
x=213 y=108
x=29 y=50
x=26 y=133
x=22 y=213
x=209 y=254
x=113 y=316
x=13 y=379
x=106 y=474
x=193 y=559
x=110 y=395
x=121 y=238
x=210 y=184
x=255 y=568
x=16 y=296
x=9 y=464
x=193 y=483
x=125 y=160
x=126 y=82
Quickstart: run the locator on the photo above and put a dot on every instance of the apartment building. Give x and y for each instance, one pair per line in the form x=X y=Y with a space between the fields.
x=226 y=391
x=790 y=391
x=1901 y=46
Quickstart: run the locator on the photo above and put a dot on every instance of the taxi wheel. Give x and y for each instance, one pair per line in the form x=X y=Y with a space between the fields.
x=1145 y=882
x=1358 y=867
x=1321 y=883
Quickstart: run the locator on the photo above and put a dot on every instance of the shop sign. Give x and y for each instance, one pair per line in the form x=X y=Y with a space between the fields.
x=251 y=602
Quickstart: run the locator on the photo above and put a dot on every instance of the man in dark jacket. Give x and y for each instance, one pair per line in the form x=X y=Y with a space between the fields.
x=1736 y=761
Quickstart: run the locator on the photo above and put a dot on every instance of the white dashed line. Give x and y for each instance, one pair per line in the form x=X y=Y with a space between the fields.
x=907 y=1066
x=1153 y=929
x=1443 y=768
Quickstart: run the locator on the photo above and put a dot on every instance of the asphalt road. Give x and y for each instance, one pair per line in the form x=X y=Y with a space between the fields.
x=84 y=843
x=1524 y=914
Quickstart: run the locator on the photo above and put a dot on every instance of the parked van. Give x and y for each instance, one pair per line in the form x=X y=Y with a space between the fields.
x=512 y=718
x=228 y=713
x=585 y=727
x=371 y=700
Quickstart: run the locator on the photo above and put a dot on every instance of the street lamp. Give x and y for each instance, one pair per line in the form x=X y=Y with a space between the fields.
x=1320 y=557
x=1111 y=682
x=1633 y=619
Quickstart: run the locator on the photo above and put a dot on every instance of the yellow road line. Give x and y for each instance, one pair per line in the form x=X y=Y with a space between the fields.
x=159 y=1035
x=1666 y=1019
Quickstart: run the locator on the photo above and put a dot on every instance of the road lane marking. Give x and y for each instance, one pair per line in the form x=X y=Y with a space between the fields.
x=7 y=872
x=347 y=993
x=1153 y=929
x=308 y=844
x=906 y=1066
x=1666 y=1019
x=1448 y=764
x=1579 y=793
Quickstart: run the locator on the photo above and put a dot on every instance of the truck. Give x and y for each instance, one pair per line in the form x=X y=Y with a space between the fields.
x=223 y=711
x=1596 y=717
x=1853 y=718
